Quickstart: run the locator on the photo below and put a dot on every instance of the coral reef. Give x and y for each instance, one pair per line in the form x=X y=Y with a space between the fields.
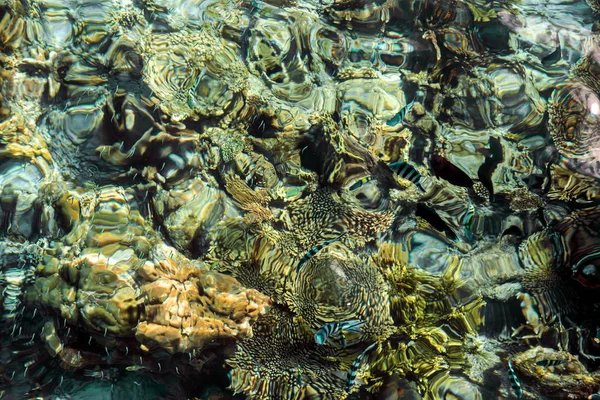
x=112 y=275
x=299 y=199
x=567 y=380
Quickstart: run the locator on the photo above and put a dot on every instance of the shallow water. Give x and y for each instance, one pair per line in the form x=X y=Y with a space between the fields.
x=191 y=190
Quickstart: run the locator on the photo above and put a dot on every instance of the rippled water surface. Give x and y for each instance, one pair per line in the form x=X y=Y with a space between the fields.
x=299 y=200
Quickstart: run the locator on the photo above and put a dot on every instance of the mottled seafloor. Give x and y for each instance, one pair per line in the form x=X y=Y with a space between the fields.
x=190 y=190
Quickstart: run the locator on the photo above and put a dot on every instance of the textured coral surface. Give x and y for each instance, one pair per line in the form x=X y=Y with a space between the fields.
x=312 y=199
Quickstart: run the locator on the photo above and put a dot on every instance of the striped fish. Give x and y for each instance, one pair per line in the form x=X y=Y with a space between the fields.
x=361 y=182
x=351 y=377
x=399 y=118
x=337 y=329
x=192 y=103
x=550 y=363
x=469 y=222
x=407 y=171
x=315 y=250
x=514 y=381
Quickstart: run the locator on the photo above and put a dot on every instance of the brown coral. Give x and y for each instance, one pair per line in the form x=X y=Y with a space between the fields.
x=188 y=307
x=566 y=381
x=568 y=186
x=19 y=139
x=573 y=112
x=522 y=199
x=253 y=201
x=118 y=277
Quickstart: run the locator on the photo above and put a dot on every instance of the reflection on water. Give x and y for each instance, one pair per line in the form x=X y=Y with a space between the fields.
x=190 y=190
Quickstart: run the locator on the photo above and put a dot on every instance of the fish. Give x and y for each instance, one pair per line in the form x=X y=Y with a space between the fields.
x=514 y=381
x=493 y=156
x=399 y=117
x=351 y=377
x=594 y=397
x=104 y=374
x=404 y=170
x=334 y=329
x=550 y=363
x=407 y=171
x=191 y=95
x=361 y=182
x=444 y=169
x=468 y=222
x=133 y=368
x=315 y=250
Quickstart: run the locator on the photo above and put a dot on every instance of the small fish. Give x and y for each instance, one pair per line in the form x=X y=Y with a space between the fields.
x=550 y=363
x=334 y=329
x=133 y=368
x=192 y=103
x=104 y=374
x=361 y=182
x=295 y=191
x=444 y=169
x=351 y=377
x=594 y=397
x=514 y=381
x=315 y=250
x=399 y=117
x=407 y=171
x=468 y=222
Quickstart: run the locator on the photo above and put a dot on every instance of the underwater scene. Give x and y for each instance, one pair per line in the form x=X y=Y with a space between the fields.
x=300 y=199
